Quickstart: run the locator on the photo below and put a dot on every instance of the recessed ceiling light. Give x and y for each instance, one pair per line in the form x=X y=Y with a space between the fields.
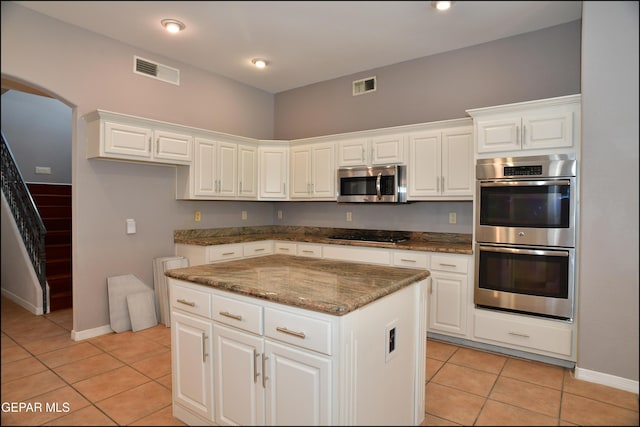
x=172 y=25
x=259 y=62
x=442 y=5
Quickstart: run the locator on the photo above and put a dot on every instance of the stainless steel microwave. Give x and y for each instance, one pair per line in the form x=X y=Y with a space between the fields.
x=372 y=184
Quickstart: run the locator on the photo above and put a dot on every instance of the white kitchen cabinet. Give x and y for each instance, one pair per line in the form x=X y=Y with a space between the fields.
x=313 y=171
x=273 y=171
x=547 y=337
x=441 y=164
x=121 y=137
x=285 y=248
x=213 y=174
x=371 y=150
x=448 y=294
x=528 y=128
x=247 y=171
x=192 y=365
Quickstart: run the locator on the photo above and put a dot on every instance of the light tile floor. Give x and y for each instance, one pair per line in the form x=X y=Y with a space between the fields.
x=125 y=379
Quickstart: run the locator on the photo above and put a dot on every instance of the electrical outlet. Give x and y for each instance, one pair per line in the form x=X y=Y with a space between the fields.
x=349 y=216
x=279 y=213
x=244 y=215
x=391 y=340
x=452 y=217
x=197 y=216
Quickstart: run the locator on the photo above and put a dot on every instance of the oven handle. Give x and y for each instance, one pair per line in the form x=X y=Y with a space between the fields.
x=524 y=183
x=519 y=251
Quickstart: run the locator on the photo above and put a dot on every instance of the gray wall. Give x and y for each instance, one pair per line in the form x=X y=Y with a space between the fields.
x=38 y=130
x=536 y=65
x=608 y=310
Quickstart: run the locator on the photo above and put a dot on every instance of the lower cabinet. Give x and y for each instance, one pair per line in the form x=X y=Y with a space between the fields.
x=448 y=294
x=192 y=364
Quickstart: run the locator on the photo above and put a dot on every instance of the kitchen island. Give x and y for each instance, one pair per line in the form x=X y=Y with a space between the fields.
x=281 y=339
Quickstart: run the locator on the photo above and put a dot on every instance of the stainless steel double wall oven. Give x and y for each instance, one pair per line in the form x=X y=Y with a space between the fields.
x=525 y=233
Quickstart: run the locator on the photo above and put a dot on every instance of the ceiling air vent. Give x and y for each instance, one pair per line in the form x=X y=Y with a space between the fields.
x=364 y=86
x=157 y=71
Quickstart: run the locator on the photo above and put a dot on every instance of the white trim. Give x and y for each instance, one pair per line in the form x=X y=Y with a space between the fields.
x=22 y=302
x=606 y=379
x=91 y=333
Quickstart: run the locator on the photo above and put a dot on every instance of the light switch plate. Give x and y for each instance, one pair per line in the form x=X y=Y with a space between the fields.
x=131 y=226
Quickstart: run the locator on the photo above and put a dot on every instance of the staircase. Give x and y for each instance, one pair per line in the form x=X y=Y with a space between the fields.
x=54 y=204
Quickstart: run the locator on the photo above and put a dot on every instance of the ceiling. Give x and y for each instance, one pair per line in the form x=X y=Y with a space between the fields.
x=305 y=42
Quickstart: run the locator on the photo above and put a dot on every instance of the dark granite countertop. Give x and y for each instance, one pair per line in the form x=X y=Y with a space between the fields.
x=327 y=286
x=428 y=242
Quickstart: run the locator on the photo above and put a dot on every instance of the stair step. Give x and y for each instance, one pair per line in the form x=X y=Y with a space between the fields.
x=57 y=224
x=57 y=251
x=37 y=188
x=56 y=237
x=58 y=267
x=48 y=211
x=60 y=301
x=51 y=200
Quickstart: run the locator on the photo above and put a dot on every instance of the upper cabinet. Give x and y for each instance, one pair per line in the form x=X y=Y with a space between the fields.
x=527 y=128
x=247 y=171
x=273 y=170
x=371 y=150
x=441 y=162
x=313 y=171
x=122 y=137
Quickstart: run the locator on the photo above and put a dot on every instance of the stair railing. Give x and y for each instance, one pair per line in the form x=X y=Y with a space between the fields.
x=26 y=215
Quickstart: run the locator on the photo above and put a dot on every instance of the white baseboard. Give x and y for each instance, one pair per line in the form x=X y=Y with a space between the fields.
x=91 y=333
x=22 y=302
x=606 y=379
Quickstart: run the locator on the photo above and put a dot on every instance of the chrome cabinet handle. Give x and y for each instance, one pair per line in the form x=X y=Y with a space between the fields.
x=407 y=260
x=264 y=372
x=204 y=349
x=256 y=374
x=289 y=332
x=519 y=335
x=231 y=316
x=185 y=302
x=446 y=265
x=518 y=139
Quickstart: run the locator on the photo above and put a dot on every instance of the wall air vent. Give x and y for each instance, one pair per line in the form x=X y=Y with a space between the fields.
x=157 y=71
x=364 y=86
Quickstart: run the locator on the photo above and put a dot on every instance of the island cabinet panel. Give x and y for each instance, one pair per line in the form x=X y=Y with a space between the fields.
x=278 y=364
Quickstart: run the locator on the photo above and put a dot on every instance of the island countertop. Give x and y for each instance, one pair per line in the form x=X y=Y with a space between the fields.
x=327 y=286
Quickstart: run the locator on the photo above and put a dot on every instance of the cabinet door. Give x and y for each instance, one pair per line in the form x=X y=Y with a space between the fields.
x=192 y=363
x=298 y=386
x=174 y=147
x=300 y=172
x=238 y=377
x=247 y=171
x=457 y=163
x=227 y=169
x=553 y=129
x=323 y=171
x=387 y=149
x=354 y=152
x=274 y=172
x=498 y=135
x=424 y=164
x=448 y=299
x=132 y=142
x=205 y=180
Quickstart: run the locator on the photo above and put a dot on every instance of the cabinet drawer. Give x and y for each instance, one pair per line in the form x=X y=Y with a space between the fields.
x=309 y=250
x=236 y=313
x=534 y=334
x=453 y=264
x=411 y=259
x=301 y=331
x=286 y=248
x=257 y=248
x=224 y=252
x=190 y=300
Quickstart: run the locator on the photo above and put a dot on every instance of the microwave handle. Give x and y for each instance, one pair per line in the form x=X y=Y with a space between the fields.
x=378 y=185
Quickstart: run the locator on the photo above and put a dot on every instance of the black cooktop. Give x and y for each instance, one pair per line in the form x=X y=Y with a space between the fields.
x=379 y=237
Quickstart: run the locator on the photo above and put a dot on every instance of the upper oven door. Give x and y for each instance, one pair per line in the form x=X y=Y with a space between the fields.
x=526 y=211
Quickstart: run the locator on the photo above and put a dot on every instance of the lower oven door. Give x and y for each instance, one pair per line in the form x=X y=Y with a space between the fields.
x=532 y=280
